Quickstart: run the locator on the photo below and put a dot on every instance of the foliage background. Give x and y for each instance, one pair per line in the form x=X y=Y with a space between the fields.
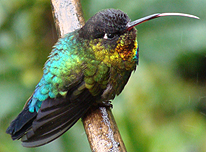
x=163 y=106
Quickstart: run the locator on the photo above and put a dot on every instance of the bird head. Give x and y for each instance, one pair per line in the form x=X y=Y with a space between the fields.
x=112 y=33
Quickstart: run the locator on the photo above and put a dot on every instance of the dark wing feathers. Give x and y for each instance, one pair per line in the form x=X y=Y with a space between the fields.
x=55 y=117
x=22 y=122
x=52 y=121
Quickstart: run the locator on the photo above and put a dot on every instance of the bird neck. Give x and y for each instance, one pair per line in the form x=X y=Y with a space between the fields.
x=122 y=57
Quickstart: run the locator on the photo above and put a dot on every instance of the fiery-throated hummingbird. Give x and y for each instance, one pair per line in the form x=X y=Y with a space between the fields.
x=88 y=66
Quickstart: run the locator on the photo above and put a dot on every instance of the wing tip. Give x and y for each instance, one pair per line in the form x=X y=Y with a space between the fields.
x=21 y=124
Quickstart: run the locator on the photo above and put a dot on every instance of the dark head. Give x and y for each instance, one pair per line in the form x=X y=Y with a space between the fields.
x=115 y=22
x=108 y=35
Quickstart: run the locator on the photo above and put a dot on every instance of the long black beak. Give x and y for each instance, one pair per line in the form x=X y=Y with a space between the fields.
x=130 y=25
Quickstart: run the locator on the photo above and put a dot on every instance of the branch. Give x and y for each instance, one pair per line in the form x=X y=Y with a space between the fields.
x=102 y=131
x=99 y=124
x=67 y=15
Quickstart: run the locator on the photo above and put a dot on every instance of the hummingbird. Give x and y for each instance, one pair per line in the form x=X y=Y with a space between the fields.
x=89 y=66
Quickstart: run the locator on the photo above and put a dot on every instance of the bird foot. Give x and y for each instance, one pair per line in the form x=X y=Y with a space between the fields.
x=106 y=103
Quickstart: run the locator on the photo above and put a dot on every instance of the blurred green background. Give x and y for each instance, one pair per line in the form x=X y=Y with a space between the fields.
x=163 y=107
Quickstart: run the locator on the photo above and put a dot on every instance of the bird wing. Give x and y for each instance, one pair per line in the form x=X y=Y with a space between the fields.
x=56 y=116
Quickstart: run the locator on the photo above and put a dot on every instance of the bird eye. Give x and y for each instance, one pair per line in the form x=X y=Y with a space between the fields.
x=108 y=36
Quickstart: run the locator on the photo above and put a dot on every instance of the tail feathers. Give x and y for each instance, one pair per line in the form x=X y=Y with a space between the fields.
x=54 y=118
x=21 y=123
